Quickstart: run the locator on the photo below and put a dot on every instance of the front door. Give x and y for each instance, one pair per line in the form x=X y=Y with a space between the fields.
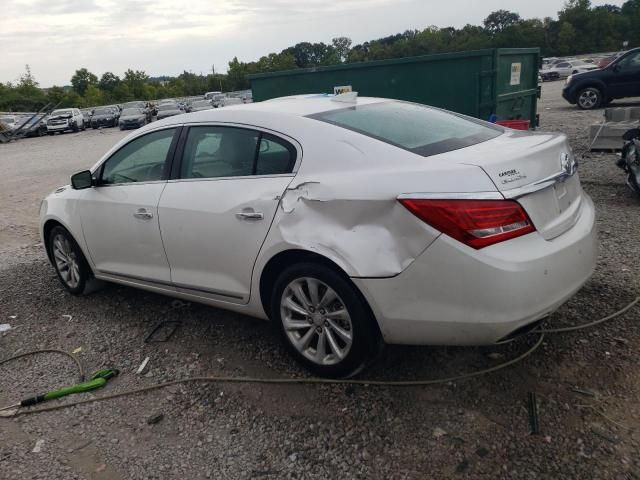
x=120 y=215
x=216 y=215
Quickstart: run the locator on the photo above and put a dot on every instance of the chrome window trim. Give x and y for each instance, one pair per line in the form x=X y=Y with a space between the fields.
x=243 y=177
x=453 y=196
x=248 y=126
x=128 y=184
x=135 y=135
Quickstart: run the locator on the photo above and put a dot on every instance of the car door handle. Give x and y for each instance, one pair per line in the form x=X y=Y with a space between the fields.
x=143 y=214
x=250 y=215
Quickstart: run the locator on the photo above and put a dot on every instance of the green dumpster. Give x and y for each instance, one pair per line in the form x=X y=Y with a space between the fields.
x=478 y=83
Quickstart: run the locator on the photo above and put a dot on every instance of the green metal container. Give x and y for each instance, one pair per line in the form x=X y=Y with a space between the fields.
x=478 y=83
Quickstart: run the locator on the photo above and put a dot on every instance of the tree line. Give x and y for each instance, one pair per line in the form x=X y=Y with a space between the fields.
x=580 y=28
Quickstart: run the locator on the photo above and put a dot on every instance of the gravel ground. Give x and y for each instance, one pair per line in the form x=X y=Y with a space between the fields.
x=586 y=382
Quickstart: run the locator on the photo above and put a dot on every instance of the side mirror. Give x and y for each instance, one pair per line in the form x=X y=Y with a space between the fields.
x=81 y=180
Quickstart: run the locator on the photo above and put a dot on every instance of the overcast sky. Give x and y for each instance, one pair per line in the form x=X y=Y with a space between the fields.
x=56 y=37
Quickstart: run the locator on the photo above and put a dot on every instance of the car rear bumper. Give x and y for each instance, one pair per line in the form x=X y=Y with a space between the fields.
x=455 y=295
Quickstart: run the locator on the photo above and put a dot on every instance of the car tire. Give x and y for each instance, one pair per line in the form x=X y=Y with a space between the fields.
x=589 y=98
x=50 y=134
x=349 y=341
x=69 y=262
x=75 y=128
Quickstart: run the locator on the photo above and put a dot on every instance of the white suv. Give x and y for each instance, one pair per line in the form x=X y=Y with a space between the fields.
x=65 y=119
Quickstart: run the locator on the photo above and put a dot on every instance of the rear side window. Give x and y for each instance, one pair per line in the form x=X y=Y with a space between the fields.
x=420 y=129
x=213 y=152
x=275 y=156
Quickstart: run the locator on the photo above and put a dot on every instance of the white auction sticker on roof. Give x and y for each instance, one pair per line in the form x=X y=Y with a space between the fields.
x=342 y=89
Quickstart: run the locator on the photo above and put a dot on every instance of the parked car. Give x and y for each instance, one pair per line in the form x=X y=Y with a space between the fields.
x=218 y=100
x=606 y=61
x=36 y=126
x=210 y=95
x=200 y=105
x=228 y=101
x=619 y=79
x=168 y=110
x=104 y=117
x=144 y=106
x=566 y=68
x=402 y=223
x=65 y=120
x=132 y=118
x=10 y=122
x=86 y=116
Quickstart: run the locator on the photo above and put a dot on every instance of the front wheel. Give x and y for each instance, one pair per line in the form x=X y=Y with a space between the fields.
x=69 y=261
x=589 y=98
x=323 y=320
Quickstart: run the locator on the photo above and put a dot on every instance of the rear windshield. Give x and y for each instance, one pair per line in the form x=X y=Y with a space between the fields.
x=417 y=128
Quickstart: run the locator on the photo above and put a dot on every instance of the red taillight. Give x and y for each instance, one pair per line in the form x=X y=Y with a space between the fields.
x=477 y=223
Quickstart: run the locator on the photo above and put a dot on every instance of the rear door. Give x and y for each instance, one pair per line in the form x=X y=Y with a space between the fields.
x=217 y=210
x=625 y=77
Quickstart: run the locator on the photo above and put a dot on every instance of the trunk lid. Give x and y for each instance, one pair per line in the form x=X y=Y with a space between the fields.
x=539 y=171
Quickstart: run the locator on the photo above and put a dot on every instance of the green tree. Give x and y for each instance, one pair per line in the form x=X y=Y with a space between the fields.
x=81 y=80
x=566 y=38
x=500 y=20
x=342 y=46
x=108 y=81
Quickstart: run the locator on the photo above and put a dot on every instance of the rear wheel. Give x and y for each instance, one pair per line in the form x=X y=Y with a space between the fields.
x=323 y=320
x=589 y=98
x=69 y=261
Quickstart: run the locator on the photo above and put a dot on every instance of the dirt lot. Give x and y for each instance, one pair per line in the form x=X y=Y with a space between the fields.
x=587 y=382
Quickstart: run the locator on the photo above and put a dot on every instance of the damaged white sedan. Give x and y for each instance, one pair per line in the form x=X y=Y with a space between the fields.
x=347 y=224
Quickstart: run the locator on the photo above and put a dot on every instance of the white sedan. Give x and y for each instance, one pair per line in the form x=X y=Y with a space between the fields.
x=566 y=68
x=346 y=224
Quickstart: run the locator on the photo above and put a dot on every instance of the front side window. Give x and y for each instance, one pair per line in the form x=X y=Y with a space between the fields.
x=141 y=160
x=420 y=129
x=630 y=62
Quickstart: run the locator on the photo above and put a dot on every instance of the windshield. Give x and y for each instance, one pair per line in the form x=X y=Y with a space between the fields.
x=61 y=112
x=131 y=111
x=7 y=119
x=417 y=128
x=103 y=111
x=134 y=105
x=201 y=103
x=168 y=107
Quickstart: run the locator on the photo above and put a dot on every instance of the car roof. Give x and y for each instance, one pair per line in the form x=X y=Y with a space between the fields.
x=305 y=105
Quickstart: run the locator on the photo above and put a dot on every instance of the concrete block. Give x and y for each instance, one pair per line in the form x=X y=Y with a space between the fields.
x=609 y=135
x=617 y=121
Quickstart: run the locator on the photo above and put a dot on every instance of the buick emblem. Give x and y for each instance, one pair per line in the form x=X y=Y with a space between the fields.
x=568 y=165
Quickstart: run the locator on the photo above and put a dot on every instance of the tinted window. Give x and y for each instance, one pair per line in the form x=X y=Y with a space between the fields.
x=630 y=62
x=275 y=156
x=141 y=160
x=219 y=152
x=417 y=128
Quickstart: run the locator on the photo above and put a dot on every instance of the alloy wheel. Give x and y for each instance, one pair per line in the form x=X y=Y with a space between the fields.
x=316 y=321
x=66 y=261
x=588 y=99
